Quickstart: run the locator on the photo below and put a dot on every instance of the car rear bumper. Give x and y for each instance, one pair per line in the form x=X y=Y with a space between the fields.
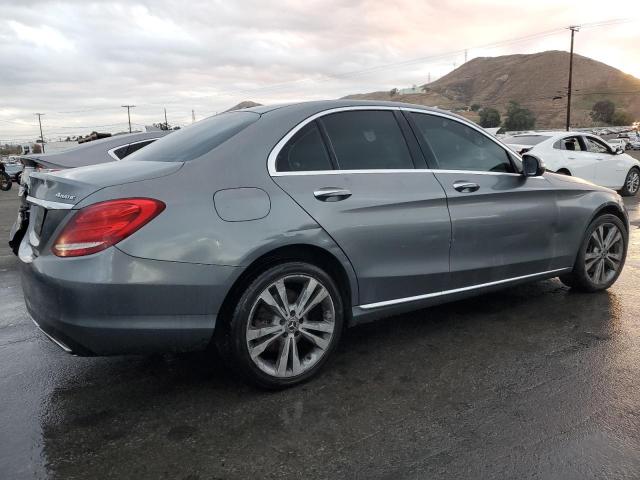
x=111 y=303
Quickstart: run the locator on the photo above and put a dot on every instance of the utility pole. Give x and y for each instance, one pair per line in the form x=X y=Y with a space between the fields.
x=465 y=55
x=429 y=78
x=166 y=123
x=128 y=107
x=193 y=116
x=574 y=29
x=41 y=136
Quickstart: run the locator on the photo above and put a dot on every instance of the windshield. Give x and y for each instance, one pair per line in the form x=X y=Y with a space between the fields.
x=526 y=139
x=195 y=140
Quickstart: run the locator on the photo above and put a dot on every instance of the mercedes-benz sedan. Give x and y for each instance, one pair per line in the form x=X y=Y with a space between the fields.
x=266 y=231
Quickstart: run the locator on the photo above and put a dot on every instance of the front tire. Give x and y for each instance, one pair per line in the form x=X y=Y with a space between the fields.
x=631 y=183
x=601 y=257
x=285 y=327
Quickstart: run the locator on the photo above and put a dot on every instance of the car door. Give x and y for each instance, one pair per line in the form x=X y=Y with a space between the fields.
x=503 y=223
x=609 y=168
x=578 y=160
x=354 y=173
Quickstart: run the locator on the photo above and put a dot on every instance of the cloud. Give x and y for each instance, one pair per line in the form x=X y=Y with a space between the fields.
x=89 y=58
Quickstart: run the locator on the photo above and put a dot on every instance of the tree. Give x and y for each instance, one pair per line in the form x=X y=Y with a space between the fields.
x=602 y=111
x=621 y=119
x=489 y=118
x=519 y=118
x=36 y=148
x=475 y=107
x=394 y=92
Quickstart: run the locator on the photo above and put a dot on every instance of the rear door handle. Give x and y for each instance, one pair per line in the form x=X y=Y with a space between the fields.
x=466 y=187
x=331 y=194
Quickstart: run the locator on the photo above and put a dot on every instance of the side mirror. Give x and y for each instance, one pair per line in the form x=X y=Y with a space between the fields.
x=618 y=150
x=532 y=166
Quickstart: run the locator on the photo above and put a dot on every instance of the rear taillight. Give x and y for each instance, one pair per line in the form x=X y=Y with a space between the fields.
x=98 y=226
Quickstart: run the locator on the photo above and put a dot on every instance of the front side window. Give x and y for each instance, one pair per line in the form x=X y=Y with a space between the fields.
x=457 y=146
x=305 y=152
x=595 y=146
x=367 y=140
x=571 y=144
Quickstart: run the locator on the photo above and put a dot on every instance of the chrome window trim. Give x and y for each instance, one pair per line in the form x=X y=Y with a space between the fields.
x=49 y=205
x=273 y=155
x=115 y=157
x=397 y=301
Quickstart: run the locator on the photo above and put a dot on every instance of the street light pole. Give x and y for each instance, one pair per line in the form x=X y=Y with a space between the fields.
x=129 y=107
x=574 y=29
x=166 y=123
x=41 y=136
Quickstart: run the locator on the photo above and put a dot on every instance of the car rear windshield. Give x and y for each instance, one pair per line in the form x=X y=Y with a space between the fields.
x=195 y=140
x=526 y=140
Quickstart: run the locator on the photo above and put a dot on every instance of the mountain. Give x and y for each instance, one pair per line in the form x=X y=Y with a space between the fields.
x=245 y=104
x=533 y=81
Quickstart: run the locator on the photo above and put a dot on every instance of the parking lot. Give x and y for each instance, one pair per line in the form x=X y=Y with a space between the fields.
x=533 y=381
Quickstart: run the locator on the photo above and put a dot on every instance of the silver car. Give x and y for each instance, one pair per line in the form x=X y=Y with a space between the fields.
x=268 y=230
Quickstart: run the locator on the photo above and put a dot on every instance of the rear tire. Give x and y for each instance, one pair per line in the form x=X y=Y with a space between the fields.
x=631 y=183
x=276 y=344
x=5 y=182
x=564 y=171
x=601 y=256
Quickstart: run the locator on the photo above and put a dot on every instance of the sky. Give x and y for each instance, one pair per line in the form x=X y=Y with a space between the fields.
x=78 y=62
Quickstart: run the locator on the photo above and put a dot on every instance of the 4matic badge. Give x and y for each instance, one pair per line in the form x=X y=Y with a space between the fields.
x=65 y=196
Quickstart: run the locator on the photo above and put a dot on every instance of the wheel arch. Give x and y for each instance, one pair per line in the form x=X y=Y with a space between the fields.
x=611 y=208
x=313 y=254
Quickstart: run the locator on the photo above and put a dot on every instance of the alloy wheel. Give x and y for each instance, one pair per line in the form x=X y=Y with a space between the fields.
x=290 y=327
x=604 y=253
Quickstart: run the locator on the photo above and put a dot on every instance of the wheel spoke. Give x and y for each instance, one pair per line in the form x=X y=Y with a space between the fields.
x=598 y=235
x=325 y=327
x=612 y=263
x=305 y=295
x=258 y=349
x=296 y=368
x=615 y=256
x=255 y=333
x=591 y=262
x=267 y=298
x=613 y=237
x=319 y=342
x=599 y=271
x=283 y=358
x=317 y=298
x=282 y=292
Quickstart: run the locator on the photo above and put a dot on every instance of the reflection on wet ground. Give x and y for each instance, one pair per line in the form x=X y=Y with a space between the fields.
x=533 y=381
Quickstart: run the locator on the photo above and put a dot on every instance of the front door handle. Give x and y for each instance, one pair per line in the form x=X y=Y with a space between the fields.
x=331 y=194
x=466 y=187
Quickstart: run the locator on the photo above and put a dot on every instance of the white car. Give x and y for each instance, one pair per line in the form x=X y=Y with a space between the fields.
x=582 y=155
x=616 y=143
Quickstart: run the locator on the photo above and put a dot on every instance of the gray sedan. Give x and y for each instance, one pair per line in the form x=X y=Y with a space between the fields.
x=268 y=230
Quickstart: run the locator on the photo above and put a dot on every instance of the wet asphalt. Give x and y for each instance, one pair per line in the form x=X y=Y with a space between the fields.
x=530 y=382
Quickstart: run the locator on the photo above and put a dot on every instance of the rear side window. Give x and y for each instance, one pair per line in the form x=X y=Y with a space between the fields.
x=121 y=152
x=305 y=152
x=460 y=147
x=572 y=144
x=196 y=140
x=367 y=140
x=134 y=147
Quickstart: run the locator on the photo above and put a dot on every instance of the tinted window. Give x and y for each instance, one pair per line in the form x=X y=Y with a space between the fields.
x=134 y=147
x=364 y=140
x=121 y=152
x=196 y=140
x=305 y=152
x=596 y=146
x=526 y=139
x=572 y=144
x=460 y=147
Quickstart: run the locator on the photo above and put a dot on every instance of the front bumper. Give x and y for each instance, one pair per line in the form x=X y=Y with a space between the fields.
x=111 y=303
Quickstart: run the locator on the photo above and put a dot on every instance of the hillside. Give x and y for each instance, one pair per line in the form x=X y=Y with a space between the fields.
x=532 y=80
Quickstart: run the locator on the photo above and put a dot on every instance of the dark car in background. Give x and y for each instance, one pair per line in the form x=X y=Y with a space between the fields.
x=267 y=230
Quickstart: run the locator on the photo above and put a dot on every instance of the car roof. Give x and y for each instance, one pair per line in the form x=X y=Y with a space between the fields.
x=93 y=152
